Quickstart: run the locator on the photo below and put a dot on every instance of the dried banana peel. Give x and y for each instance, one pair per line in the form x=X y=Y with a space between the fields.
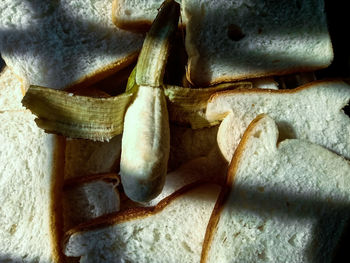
x=77 y=116
x=188 y=105
x=146 y=136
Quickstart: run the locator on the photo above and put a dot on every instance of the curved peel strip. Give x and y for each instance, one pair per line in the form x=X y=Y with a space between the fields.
x=77 y=116
x=188 y=106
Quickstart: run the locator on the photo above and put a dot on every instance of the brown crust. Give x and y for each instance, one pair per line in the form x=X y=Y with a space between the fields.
x=56 y=220
x=199 y=83
x=76 y=181
x=272 y=91
x=131 y=213
x=102 y=73
x=225 y=192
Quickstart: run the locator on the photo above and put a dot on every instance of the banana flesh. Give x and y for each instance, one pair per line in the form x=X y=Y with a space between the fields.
x=145 y=145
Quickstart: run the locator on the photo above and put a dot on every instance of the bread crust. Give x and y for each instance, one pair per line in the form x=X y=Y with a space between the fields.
x=200 y=83
x=56 y=214
x=271 y=91
x=225 y=191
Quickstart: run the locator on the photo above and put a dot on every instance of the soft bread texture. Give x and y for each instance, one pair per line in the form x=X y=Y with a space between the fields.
x=170 y=232
x=64 y=43
x=11 y=91
x=286 y=202
x=234 y=40
x=312 y=112
x=31 y=178
x=135 y=15
x=84 y=157
x=89 y=197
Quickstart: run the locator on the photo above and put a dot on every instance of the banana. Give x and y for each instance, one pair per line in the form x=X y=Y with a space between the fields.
x=145 y=145
x=146 y=135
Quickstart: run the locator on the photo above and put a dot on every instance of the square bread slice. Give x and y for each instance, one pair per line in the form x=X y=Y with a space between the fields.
x=283 y=202
x=311 y=112
x=234 y=40
x=172 y=231
x=85 y=157
x=59 y=44
x=31 y=180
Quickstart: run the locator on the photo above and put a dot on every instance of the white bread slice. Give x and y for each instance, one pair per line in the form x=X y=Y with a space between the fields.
x=64 y=43
x=286 y=202
x=234 y=40
x=136 y=15
x=84 y=157
x=173 y=231
x=187 y=144
x=89 y=197
x=312 y=112
x=12 y=90
x=31 y=179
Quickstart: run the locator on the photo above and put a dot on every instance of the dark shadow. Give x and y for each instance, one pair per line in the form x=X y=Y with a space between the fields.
x=286 y=131
x=338 y=24
x=346 y=109
x=2 y=63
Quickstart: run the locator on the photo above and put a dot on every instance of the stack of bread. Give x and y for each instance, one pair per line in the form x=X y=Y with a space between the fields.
x=249 y=164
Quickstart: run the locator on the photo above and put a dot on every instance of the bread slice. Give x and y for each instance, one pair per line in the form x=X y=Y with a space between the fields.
x=234 y=40
x=312 y=112
x=136 y=15
x=12 y=90
x=88 y=197
x=187 y=144
x=59 y=44
x=31 y=179
x=85 y=157
x=285 y=202
x=172 y=231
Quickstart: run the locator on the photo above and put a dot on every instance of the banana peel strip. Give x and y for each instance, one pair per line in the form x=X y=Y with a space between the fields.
x=77 y=116
x=188 y=105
